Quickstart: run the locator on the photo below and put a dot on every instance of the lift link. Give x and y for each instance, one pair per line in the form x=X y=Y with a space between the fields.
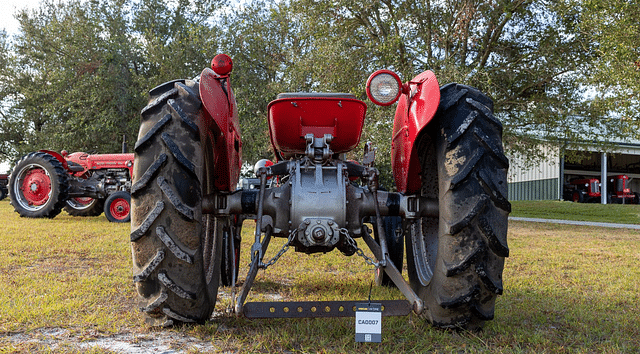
x=258 y=248
x=373 y=186
x=251 y=275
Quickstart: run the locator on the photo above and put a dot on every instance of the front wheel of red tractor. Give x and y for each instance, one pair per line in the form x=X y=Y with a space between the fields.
x=455 y=261
x=38 y=186
x=117 y=207
x=175 y=248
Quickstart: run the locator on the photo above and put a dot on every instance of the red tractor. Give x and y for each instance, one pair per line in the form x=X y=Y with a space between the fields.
x=588 y=190
x=44 y=182
x=4 y=180
x=619 y=191
x=583 y=190
x=451 y=201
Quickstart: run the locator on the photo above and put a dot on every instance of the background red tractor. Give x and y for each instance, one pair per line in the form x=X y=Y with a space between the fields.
x=450 y=207
x=4 y=180
x=42 y=183
x=588 y=190
x=619 y=191
x=583 y=190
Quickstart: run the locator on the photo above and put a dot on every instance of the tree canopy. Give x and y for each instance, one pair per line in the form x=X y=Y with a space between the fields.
x=76 y=75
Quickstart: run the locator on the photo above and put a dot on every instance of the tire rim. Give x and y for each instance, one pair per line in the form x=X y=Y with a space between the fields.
x=119 y=208
x=33 y=188
x=425 y=248
x=81 y=203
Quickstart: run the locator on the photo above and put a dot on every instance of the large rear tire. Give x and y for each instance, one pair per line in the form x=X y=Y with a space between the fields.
x=455 y=261
x=38 y=186
x=175 y=248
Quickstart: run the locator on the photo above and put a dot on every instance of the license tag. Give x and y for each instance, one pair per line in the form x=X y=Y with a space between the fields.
x=369 y=322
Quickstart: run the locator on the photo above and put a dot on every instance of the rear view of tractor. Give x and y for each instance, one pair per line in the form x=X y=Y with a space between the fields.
x=42 y=183
x=619 y=191
x=449 y=212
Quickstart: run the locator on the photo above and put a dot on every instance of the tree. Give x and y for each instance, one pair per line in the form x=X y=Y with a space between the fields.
x=76 y=76
x=611 y=30
x=265 y=44
x=525 y=54
x=73 y=84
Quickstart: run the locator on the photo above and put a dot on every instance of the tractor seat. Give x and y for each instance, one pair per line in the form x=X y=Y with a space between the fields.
x=75 y=167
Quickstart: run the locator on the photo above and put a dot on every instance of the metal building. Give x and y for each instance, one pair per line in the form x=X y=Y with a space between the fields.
x=545 y=179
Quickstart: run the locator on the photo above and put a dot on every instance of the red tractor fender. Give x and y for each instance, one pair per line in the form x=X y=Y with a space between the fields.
x=414 y=112
x=58 y=157
x=220 y=129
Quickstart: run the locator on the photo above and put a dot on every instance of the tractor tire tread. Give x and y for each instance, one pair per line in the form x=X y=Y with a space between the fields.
x=149 y=219
x=174 y=287
x=156 y=303
x=173 y=197
x=177 y=110
x=158 y=101
x=173 y=247
x=175 y=150
x=150 y=267
x=148 y=174
x=167 y=311
x=151 y=132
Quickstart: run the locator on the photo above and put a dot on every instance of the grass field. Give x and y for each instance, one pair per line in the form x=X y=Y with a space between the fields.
x=548 y=209
x=66 y=288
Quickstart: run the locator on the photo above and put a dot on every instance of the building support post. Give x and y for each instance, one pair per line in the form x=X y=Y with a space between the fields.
x=561 y=176
x=603 y=179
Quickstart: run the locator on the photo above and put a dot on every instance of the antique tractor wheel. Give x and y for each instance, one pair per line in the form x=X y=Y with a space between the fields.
x=84 y=206
x=117 y=207
x=38 y=186
x=455 y=261
x=3 y=193
x=578 y=197
x=176 y=250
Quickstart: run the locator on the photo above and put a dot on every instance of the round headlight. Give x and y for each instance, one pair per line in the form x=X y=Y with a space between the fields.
x=384 y=87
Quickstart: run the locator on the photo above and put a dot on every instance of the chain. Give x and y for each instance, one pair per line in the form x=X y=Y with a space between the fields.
x=359 y=251
x=284 y=249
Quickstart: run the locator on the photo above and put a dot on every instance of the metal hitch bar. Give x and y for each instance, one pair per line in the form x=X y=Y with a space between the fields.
x=314 y=309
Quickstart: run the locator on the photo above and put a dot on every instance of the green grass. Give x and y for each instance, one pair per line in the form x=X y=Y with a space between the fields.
x=568 y=289
x=564 y=210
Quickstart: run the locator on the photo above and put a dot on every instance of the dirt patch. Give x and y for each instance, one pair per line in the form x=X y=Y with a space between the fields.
x=53 y=339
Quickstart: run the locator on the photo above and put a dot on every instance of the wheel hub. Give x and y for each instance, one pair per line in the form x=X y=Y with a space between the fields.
x=120 y=208
x=36 y=187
